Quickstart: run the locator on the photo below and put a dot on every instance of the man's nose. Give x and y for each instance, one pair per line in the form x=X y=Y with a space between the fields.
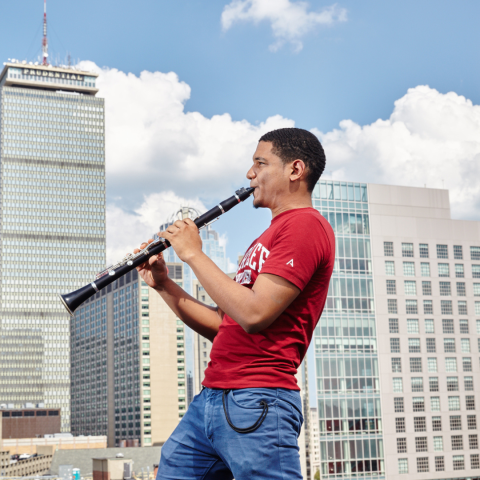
x=251 y=174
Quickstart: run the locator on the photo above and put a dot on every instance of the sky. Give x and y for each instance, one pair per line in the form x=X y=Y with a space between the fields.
x=392 y=90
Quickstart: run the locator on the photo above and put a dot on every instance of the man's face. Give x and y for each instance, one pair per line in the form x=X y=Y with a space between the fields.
x=269 y=176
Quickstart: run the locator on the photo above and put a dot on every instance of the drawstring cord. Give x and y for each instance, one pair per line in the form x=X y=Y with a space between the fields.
x=248 y=429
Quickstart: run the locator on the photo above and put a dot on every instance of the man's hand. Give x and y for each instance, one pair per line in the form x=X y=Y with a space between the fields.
x=184 y=238
x=154 y=271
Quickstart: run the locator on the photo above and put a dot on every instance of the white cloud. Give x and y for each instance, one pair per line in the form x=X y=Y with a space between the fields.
x=127 y=229
x=430 y=138
x=289 y=21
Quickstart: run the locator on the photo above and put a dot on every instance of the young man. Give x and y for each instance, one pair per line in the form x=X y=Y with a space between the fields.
x=246 y=421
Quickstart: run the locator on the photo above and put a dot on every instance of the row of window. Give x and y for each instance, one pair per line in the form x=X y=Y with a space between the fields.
x=442 y=251
x=416 y=364
x=446 y=307
x=425 y=271
x=423 y=463
x=420 y=423
x=445 y=288
x=421 y=443
x=414 y=345
x=413 y=326
x=419 y=402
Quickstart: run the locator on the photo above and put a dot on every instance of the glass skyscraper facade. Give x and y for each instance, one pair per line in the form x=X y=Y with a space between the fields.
x=52 y=223
x=348 y=391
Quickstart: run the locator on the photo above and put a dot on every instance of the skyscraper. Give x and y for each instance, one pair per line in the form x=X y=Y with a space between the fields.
x=52 y=224
x=397 y=345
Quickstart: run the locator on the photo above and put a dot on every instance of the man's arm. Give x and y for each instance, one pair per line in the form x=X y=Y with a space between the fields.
x=253 y=309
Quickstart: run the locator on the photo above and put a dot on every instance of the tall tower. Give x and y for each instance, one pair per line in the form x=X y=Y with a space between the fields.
x=45 y=40
x=52 y=223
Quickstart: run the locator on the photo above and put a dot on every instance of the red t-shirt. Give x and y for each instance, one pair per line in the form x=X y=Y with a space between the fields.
x=299 y=246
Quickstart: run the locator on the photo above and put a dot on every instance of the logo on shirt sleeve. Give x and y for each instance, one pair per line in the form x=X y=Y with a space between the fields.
x=290 y=262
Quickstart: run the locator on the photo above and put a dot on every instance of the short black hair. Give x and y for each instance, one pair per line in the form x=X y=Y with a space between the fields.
x=295 y=143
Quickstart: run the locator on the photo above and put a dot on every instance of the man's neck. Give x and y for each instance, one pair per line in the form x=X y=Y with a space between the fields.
x=292 y=204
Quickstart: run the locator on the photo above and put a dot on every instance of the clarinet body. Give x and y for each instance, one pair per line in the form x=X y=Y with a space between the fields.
x=71 y=301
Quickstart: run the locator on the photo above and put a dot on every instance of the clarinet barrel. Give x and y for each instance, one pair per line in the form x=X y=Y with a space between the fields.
x=71 y=301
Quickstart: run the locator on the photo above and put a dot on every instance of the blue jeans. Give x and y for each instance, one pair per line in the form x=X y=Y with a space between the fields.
x=205 y=447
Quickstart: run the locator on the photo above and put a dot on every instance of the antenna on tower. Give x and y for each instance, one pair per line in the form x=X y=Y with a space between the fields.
x=45 y=41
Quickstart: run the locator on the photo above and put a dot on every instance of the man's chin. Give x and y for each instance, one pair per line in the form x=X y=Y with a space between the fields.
x=256 y=204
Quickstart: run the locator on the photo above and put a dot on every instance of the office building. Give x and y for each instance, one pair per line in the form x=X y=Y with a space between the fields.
x=397 y=347
x=52 y=224
x=129 y=381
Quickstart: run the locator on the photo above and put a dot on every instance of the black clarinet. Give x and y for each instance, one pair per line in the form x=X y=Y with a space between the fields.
x=73 y=300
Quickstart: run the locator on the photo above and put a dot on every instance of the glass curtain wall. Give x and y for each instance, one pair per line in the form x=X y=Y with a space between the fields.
x=348 y=392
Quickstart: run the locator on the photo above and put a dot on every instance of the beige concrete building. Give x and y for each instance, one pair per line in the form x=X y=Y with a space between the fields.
x=134 y=370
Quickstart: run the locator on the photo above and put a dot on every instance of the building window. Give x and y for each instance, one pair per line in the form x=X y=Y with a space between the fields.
x=443 y=270
x=433 y=384
x=475 y=460
x=453 y=403
x=432 y=365
x=468 y=384
x=458 y=462
x=476 y=289
x=476 y=271
x=477 y=308
x=424 y=250
x=414 y=345
x=412 y=325
x=472 y=422
x=437 y=424
x=451 y=364
x=411 y=307
x=392 y=305
x=415 y=364
x=401 y=445
x=425 y=269
x=391 y=287
x=431 y=348
x=410 y=287
x=419 y=424
x=470 y=402
x=409 y=269
x=398 y=385
x=427 y=307
x=442 y=251
x=464 y=326
x=421 y=444
x=478 y=328
x=417 y=384
x=422 y=463
x=459 y=271
x=456 y=423
x=475 y=253
x=407 y=249
x=473 y=441
x=452 y=384
x=447 y=325
x=457 y=252
x=445 y=289
x=396 y=365
x=426 y=287
x=462 y=307
x=394 y=345
x=439 y=464
x=398 y=404
x=393 y=325
x=429 y=325
x=465 y=344
x=449 y=345
x=435 y=404
x=446 y=307
x=457 y=441
x=402 y=465
x=461 y=291
x=389 y=268
x=388 y=249
x=467 y=364
x=400 y=424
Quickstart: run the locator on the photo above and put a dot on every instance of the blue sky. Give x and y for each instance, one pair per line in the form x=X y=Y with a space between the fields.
x=353 y=69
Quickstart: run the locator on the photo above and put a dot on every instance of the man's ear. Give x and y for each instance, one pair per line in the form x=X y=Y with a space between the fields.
x=298 y=169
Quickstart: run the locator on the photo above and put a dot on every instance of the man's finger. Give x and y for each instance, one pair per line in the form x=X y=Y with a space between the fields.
x=190 y=223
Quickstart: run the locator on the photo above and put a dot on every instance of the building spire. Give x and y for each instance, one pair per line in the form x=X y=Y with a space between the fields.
x=45 y=41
